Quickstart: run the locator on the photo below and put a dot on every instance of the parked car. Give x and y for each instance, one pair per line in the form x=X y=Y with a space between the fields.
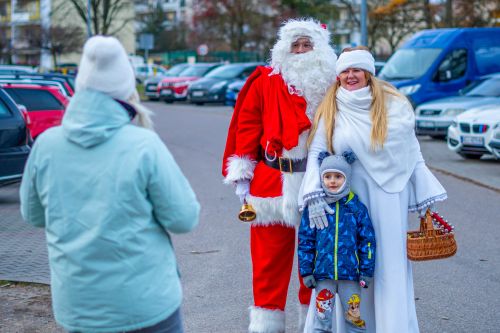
x=143 y=72
x=66 y=82
x=233 y=90
x=45 y=105
x=212 y=87
x=151 y=84
x=175 y=88
x=433 y=118
x=15 y=69
x=14 y=140
x=378 y=66
x=438 y=63
x=476 y=132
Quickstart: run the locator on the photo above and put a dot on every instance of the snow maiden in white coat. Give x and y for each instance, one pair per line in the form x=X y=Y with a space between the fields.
x=372 y=119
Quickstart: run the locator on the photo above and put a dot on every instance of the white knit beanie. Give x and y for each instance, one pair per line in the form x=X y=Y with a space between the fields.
x=356 y=59
x=105 y=67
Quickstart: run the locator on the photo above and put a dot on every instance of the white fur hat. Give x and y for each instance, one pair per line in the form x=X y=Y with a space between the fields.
x=105 y=67
x=356 y=59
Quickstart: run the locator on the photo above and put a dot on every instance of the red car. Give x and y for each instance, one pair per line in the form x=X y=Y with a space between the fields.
x=172 y=89
x=45 y=105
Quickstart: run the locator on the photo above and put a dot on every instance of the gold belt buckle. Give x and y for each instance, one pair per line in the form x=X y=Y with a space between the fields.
x=280 y=163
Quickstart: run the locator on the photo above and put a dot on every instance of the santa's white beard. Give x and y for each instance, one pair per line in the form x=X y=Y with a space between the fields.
x=309 y=74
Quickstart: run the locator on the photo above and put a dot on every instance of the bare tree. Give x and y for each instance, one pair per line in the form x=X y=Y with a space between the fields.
x=104 y=14
x=59 y=40
x=232 y=24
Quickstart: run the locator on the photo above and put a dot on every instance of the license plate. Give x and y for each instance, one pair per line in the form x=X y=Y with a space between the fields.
x=473 y=140
x=166 y=92
x=426 y=124
x=151 y=88
x=197 y=93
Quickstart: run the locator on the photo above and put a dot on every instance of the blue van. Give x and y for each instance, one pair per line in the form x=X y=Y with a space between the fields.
x=439 y=62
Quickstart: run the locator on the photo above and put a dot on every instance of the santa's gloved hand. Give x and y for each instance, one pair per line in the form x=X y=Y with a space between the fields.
x=364 y=281
x=309 y=281
x=422 y=211
x=317 y=213
x=242 y=189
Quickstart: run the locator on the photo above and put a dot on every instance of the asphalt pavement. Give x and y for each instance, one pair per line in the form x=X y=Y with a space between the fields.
x=453 y=295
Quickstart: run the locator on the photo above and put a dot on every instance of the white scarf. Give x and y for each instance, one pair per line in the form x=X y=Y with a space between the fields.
x=392 y=166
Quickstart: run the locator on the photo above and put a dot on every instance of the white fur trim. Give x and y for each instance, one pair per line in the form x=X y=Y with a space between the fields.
x=300 y=151
x=279 y=210
x=303 y=308
x=266 y=321
x=291 y=187
x=239 y=167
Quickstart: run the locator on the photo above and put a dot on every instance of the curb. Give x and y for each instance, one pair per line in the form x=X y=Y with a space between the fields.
x=465 y=179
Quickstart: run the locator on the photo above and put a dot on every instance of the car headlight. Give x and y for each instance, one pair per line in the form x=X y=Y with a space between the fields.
x=454 y=124
x=218 y=86
x=452 y=112
x=408 y=90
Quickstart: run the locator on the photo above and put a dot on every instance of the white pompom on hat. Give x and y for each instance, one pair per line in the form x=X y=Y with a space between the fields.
x=356 y=59
x=105 y=68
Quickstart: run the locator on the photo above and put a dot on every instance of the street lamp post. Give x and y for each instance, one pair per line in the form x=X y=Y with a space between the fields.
x=364 y=32
x=89 y=31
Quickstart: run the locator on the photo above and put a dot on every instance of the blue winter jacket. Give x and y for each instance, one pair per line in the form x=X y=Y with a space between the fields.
x=342 y=251
x=107 y=192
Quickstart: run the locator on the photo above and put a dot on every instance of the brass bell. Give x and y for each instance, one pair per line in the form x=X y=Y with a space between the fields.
x=247 y=213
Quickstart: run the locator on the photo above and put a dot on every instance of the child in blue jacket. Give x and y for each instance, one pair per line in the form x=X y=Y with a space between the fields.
x=338 y=259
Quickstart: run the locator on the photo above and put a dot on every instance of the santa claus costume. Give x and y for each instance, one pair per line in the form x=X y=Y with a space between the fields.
x=266 y=147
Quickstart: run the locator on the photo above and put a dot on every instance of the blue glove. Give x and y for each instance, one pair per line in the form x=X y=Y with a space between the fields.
x=309 y=281
x=364 y=281
x=317 y=213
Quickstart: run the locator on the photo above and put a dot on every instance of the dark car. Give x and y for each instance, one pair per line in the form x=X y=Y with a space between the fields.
x=151 y=84
x=232 y=92
x=212 y=87
x=175 y=88
x=14 y=140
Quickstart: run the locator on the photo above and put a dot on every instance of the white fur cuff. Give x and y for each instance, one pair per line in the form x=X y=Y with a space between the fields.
x=266 y=320
x=239 y=167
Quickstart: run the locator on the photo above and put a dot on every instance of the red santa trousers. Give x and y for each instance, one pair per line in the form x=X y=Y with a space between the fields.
x=272 y=249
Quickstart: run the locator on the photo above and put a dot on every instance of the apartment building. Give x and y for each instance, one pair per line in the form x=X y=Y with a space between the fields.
x=25 y=28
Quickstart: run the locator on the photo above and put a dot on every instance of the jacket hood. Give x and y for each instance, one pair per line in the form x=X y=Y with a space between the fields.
x=92 y=118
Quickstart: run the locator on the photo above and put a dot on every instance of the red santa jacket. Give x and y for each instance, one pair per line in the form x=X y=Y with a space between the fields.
x=267 y=118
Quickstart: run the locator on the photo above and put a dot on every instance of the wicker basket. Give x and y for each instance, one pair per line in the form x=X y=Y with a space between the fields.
x=429 y=243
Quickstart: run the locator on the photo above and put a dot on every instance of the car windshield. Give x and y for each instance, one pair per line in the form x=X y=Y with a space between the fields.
x=487 y=88
x=35 y=100
x=408 y=64
x=226 y=72
x=196 y=70
x=176 y=70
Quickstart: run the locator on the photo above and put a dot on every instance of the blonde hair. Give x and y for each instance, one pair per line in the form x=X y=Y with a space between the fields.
x=328 y=108
x=143 y=113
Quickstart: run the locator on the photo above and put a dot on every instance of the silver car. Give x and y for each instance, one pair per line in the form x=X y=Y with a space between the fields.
x=433 y=118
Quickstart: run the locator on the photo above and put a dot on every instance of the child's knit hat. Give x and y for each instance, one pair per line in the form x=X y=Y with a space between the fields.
x=336 y=163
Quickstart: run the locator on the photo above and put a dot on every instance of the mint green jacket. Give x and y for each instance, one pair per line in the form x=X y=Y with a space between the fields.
x=108 y=193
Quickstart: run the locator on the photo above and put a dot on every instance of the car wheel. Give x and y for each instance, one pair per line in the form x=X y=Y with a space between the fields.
x=168 y=101
x=438 y=137
x=470 y=156
x=199 y=103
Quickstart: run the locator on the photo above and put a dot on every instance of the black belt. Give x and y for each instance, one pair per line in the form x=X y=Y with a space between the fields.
x=287 y=164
